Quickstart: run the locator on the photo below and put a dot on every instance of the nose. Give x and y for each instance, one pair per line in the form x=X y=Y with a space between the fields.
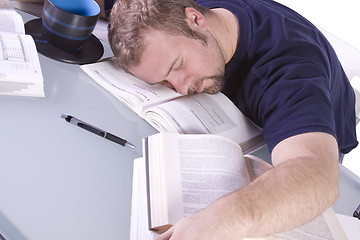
x=180 y=83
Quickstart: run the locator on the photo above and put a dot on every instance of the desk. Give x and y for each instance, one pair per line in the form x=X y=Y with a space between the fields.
x=60 y=182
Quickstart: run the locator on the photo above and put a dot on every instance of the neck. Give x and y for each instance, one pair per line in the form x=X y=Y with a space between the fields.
x=225 y=28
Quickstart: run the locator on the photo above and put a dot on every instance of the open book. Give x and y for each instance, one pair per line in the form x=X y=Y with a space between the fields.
x=182 y=174
x=167 y=110
x=20 y=72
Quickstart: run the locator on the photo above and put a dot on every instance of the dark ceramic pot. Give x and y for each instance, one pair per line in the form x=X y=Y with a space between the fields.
x=68 y=24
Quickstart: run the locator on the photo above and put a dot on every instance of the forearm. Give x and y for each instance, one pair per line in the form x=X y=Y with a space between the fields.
x=302 y=184
x=292 y=193
x=275 y=203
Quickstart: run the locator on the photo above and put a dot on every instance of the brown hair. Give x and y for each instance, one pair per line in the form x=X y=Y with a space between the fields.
x=130 y=19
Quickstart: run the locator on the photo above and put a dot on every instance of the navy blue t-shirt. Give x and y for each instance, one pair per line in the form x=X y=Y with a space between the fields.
x=285 y=76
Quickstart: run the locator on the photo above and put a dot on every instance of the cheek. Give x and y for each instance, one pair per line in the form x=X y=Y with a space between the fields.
x=207 y=62
x=197 y=67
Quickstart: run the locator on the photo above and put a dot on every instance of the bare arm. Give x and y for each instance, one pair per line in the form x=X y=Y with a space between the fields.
x=300 y=186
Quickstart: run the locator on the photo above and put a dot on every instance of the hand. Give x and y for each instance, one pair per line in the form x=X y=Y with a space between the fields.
x=205 y=224
x=186 y=228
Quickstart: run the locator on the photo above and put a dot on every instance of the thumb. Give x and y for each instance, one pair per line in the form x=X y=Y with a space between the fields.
x=166 y=235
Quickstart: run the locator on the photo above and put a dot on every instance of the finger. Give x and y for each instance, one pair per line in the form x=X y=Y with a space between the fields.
x=166 y=235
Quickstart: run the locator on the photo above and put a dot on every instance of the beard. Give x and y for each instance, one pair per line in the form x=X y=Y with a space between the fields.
x=216 y=78
x=216 y=84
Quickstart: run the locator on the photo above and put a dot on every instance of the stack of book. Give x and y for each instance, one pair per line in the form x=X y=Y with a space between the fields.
x=20 y=72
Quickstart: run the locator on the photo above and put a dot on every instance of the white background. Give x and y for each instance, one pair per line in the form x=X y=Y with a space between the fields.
x=342 y=19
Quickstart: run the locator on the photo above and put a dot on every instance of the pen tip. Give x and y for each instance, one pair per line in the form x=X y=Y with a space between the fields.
x=127 y=144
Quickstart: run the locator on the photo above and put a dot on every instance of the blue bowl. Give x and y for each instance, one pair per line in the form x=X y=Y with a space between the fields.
x=67 y=24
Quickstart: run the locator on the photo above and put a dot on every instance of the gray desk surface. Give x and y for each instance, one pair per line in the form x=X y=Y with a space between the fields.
x=60 y=182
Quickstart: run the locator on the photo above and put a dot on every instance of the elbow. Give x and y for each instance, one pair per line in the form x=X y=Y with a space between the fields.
x=334 y=195
x=328 y=183
x=331 y=177
x=328 y=195
x=332 y=184
x=335 y=177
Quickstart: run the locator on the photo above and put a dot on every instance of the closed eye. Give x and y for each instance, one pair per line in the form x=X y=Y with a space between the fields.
x=181 y=65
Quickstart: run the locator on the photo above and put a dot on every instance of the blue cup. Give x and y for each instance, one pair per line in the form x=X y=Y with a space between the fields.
x=67 y=24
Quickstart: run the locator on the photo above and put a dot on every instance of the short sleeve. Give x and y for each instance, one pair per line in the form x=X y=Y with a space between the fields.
x=295 y=101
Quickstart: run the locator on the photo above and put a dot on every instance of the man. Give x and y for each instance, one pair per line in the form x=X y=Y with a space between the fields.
x=281 y=73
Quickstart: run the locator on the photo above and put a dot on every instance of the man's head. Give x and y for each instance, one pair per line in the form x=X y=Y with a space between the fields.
x=162 y=41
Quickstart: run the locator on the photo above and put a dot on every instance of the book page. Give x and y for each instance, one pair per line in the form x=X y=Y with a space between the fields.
x=202 y=114
x=18 y=58
x=316 y=229
x=133 y=92
x=139 y=227
x=198 y=170
x=325 y=227
x=193 y=114
x=20 y=73
x=210 y=168
x=154 y=148
x=22 y=89
x=333 y=224
x=256 y=166
x=11 y=21
x=350 y=225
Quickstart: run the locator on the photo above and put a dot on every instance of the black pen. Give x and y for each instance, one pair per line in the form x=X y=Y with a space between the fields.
x=357 y=212
x=1 y=237
x=97 y=131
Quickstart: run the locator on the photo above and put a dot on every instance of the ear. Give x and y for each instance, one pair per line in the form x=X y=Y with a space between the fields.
x=195 y=19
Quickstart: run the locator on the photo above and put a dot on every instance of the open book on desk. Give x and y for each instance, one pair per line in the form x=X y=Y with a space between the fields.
x=167 y=110
x=182 y=174
x=20 y=72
